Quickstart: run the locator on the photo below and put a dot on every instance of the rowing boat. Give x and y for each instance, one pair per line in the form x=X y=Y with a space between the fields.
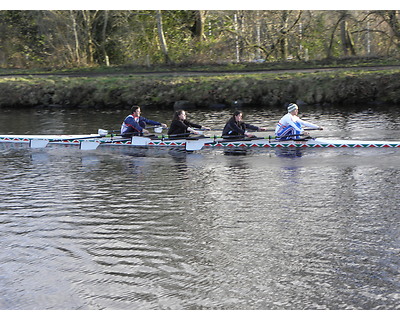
x=93 y=141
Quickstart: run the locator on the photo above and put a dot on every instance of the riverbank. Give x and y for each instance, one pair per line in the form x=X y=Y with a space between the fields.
x=259 y=88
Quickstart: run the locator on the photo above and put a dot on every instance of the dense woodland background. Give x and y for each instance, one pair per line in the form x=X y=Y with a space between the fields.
x=80 y=38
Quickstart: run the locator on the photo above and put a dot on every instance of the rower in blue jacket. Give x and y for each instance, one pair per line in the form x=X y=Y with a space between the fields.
x=135 y=124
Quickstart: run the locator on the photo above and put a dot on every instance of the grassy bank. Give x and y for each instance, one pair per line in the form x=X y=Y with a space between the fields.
x=349 y=62
x=264 y=89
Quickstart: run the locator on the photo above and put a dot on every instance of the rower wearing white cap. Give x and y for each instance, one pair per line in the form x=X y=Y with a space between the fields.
x=291 y=126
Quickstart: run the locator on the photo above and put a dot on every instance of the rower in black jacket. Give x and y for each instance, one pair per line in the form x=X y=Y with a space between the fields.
x=236 y=128
x=182 y=127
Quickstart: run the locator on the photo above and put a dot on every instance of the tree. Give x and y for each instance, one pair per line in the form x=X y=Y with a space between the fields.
x=20 y=43
x=347 y=41
x=163 y=43
x=283 y=38
x=200 y=17
x=64 y=38
x=104 y=39
x=392 y=19
x=76 y=38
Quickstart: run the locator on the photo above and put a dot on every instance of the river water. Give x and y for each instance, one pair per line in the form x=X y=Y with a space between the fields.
x=272 y=229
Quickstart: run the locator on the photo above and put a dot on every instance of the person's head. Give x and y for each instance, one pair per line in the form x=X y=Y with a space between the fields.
x=180 y=115
x=135 y=110
x=293 y=108
x=238 y=115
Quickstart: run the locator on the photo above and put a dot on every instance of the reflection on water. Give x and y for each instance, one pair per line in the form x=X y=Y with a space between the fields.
x=289 y=152
x=144 y=229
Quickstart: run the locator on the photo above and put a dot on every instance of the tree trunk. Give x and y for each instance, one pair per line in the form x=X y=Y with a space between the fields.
x=394 y=24
x=335 y=27
x=237 y=46
x=103 y=44
x=347 y=41
x=199 y=25
x=258 y=35
x=284 y=36
x=161 y=37
x=77 y=55
x=88 y=19
x=343 y=32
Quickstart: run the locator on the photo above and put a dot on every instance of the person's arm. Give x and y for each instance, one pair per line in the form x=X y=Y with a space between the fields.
x=251 y=127
x=197 y=126
x=309 y=124
x=153 y=123
x=190 y=124
x=130 y=122
x=143 y=121
x=148 y=121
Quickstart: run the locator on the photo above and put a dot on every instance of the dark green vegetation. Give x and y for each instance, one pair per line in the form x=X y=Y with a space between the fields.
x=207 y=87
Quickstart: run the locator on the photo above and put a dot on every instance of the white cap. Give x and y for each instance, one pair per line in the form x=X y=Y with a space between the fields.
x=291 y=107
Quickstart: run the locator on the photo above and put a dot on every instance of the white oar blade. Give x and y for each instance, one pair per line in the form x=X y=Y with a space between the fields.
x=38 y=143
x=89 y=145
x=194 y=145
x=102 y=132
x=140 y=141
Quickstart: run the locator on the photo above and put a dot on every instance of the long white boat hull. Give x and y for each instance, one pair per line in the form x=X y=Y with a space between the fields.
x=311 y=143
x=92 y=141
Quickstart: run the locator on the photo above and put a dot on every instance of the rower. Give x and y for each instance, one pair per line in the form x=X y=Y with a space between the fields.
x=135 y=124
x=236 y=128
x=182 y=127
x=291 y=126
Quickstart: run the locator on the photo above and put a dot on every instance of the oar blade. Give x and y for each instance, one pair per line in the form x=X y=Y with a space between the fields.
x=140 y=141
x=194 y=145
x=38 y=143
x=89 y=145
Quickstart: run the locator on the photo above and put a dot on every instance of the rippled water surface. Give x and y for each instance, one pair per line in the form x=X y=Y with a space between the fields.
x=272 y=229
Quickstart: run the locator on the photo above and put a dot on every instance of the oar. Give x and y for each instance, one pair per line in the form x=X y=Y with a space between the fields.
x=190 y=145
x=89 y=145
x=288 y=135
x=309 y=129
x=242 y=137
x=157 y=129
x=233 y=137
x=38 y=143
x=267 y=130
x=85 y=143
x=194 y=145
x=180 y=135
x=140 y=140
